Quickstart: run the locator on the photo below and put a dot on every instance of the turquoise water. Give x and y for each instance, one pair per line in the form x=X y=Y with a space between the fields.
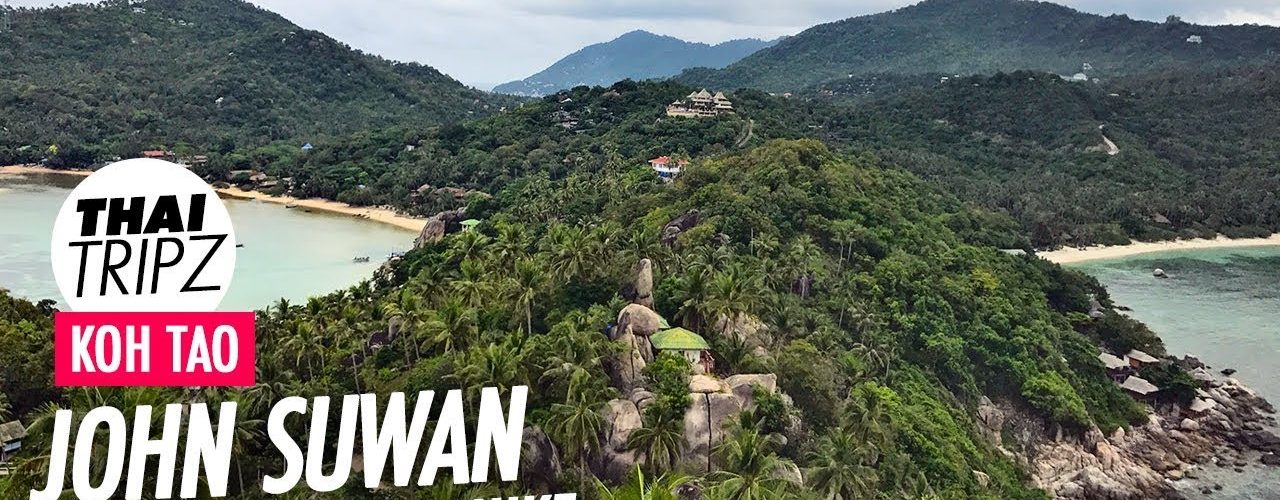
x=1222 y=306
x=287 y=252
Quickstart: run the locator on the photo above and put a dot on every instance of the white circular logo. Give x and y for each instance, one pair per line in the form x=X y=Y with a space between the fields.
x=143 y=235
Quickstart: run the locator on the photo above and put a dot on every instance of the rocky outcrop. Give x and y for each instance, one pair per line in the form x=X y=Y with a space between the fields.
x=639 y=320
x=704 y=428
x=540 y=461
x=621 y=418
x=439 y=225
x=1144 y=461
x=634 y=326
x=644 y=283
x=714 y=403
x=680 y=224
x=743 y=387
x=627 y=367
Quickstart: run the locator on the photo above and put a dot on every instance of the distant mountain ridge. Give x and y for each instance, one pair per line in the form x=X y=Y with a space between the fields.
x=638 y=55
x=987 y=36
x=140 y=74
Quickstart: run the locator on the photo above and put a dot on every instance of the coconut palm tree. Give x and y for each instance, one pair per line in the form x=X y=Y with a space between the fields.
x=637 y=487
x=468 y=245
x=572 y=254
x=751 y=468
x=576 y=425
x=843 y=467
x=453 y=326
x=660 y=441
x=523 y=287
x=471 y=284
x=732 y=294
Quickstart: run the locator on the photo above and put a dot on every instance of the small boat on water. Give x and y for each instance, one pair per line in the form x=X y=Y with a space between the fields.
x=290 y=205
x=359 y=260
x=239 y=245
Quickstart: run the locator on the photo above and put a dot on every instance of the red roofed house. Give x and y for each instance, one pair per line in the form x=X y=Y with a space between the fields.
x=158 y=154
x=666 y=167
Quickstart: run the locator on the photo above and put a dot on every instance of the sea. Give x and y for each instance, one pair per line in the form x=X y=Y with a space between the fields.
x=1222 y=306
x=287 y=253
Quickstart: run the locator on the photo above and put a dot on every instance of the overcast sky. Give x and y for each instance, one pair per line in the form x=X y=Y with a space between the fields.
x=484 y=42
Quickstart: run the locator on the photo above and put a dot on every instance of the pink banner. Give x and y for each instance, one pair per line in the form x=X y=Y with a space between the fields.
x=120 y=349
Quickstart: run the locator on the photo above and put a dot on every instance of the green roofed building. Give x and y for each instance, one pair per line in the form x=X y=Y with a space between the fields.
x=469 y=224
x=692 y=346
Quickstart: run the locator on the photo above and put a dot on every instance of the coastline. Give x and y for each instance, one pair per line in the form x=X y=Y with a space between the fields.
x=380 y=215
x=38 y=170
x=1078 y=255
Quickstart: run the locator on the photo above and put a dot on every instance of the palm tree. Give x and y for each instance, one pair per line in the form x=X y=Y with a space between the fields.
x=454 y=326
x=732 y=294
x=637 y=488
x=842 y=467
x=468 y=245
x=693 y=296
x=511 y=244
x=494 y=365
x=523 y=286
x=660 y=441
x=751 y=468
x=576 y=426
x=572 y=254
x=801 y=263
x=471 y=284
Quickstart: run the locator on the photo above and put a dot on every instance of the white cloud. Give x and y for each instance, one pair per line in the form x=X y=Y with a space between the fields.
x=1243 y=16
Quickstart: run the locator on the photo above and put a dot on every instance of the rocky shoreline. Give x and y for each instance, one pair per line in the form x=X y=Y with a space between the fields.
x=1228 y=426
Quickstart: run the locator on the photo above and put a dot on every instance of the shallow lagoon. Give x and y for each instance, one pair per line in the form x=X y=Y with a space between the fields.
x=287 y=252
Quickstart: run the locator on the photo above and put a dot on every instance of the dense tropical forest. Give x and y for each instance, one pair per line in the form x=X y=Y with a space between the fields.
x=843 y=238
x=888 y=319
x=1028 y=145
x=976 y=37
x=101 y=80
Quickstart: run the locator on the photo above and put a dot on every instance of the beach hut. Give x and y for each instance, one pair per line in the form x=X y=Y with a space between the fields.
x=11 y=436
x=469 y=224
x=1139 y=386
x=1112 y=362
x=692 y=346
x=1138 y=358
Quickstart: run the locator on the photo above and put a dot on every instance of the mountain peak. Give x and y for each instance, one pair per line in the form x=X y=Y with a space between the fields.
x=984 y=37
x=636 y=54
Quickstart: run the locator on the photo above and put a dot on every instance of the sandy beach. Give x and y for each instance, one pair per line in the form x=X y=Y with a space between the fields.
x=381 y=215
x=1074 y=255
x=38 y=170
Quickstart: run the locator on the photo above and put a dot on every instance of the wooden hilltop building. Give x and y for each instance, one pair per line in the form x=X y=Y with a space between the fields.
x=701 y=104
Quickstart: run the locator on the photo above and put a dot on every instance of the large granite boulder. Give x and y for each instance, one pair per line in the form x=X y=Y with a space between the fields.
x=540 y=461
x=639 y=320
x=621 y=418
x=713 y=405
x=743 y=386
x=439 y=225
x=704 y=428
x=679 y=225
x=644 y=283
x=627 y=367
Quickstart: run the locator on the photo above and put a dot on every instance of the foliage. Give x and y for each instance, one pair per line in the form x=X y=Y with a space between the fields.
x=880 y=321
x=965 y=37
x=637 y=55
x=101 y=80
